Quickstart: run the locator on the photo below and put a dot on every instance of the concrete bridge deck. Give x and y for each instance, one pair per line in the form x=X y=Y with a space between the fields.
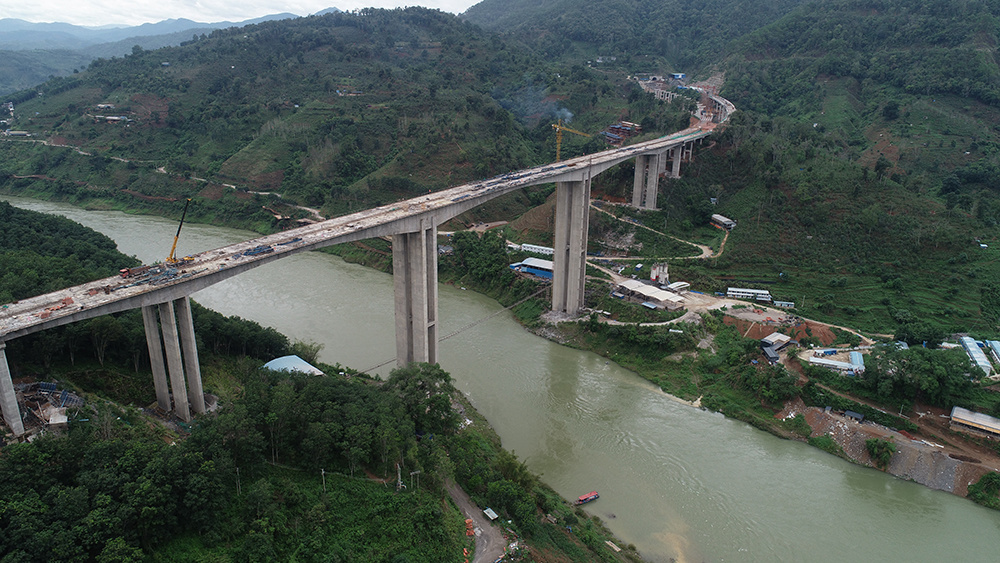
x=90 y=300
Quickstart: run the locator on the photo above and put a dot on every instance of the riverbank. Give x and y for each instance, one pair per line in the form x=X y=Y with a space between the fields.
x=937 y=466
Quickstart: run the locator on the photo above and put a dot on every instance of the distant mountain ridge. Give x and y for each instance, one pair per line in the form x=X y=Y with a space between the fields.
x=20 y=35
x=31 y=52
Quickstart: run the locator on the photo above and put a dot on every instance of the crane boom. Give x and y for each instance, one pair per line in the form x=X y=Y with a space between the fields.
x=559 y=127
x=171 y=259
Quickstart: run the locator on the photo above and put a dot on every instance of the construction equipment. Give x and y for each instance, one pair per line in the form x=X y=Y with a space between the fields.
x=171 y=259
x=559 y=127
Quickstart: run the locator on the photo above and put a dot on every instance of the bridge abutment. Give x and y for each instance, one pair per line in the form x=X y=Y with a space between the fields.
x=8 y=398
x=569 y=262
x=414 y=275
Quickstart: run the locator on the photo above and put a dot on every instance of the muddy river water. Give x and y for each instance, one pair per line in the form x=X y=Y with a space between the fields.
x=678 y=482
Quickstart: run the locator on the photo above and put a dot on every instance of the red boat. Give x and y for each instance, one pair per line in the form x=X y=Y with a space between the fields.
x=584 y=499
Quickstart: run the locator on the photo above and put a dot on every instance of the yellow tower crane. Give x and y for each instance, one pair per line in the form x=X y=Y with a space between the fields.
x=559 y=127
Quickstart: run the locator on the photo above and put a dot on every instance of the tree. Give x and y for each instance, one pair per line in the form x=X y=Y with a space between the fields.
x=103 y=331
x=880 y=451
x=425 y=390
x=891 y=110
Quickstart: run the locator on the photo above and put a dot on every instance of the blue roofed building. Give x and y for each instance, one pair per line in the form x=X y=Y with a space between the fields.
x=976 y=354
x=858 y=361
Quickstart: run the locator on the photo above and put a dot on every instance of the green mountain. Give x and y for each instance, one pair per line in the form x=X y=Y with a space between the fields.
x=860 y=165
x=643 y=35
x=343 y=110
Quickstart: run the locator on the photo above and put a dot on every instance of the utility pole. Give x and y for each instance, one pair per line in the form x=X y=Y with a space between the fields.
x=399 y=479
x=322 y=473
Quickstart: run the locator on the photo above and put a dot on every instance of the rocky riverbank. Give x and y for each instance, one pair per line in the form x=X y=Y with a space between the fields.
x=934 y=465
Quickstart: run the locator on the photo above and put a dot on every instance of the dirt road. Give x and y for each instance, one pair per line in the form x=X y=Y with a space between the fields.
x=490 y=542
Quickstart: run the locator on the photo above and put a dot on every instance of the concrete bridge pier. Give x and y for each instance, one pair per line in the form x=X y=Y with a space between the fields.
x=8 y=398
x=648 y=168
x=570 y=259
x=675 y=167
x=156 y=357
x=414 y=276
x=180 y=351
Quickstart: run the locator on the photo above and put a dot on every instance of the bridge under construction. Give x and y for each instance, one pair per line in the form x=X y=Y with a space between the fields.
x=163 y=291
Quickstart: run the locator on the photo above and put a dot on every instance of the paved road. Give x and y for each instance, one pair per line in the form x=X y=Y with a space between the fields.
x=489 y=541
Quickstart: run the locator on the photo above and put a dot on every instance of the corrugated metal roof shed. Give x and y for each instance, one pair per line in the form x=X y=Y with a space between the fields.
x=857 y=359
x=994 y=347
x=832 y=364
x=538 y=263
x=976 y=354
x=631 y=285
x=678 y=286
x=976 y=420
x=776 y=339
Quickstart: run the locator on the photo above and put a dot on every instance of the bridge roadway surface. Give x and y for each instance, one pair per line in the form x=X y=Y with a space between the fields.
x=116 y=294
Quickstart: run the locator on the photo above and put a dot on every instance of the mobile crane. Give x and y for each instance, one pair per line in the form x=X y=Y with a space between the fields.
x=559 y=127
x=171 y=259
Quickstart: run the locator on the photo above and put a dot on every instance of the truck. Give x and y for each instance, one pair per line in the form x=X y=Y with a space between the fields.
x=133 y=272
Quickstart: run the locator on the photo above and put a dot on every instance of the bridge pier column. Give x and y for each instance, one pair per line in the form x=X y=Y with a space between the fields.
x=171 y=343
x=647 y=180
x=639 y=183
x=675 y=168
x=189 y=347
x=652 y=181
x=156 y=357
x=8 y=397
x=414 y=276
x=570 y=258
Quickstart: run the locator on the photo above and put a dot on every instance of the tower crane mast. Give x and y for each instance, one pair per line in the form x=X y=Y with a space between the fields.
x=559 y=127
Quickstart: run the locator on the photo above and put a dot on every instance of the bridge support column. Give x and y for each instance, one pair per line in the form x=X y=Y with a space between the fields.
x=414 y=276
x=189 y=347
x=675 y=168
x=570 y=259
x=8 y=398
x=171 y=343
x=639 y=182
x=646 y=181
x=156 y=357
x=652 y=181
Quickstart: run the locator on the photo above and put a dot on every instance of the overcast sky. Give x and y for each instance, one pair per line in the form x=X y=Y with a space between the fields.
x=135 y=12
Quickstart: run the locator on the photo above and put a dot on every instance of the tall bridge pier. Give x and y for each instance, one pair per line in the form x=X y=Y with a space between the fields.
x=569 y=262
x=8 y=398
x=648 y=168
x=414 y=279
x=181 y=351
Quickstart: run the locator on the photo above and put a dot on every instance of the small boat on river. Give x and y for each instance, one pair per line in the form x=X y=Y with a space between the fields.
x=584 y=499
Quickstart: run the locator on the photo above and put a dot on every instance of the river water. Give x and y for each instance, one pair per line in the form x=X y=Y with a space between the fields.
x=676 y=481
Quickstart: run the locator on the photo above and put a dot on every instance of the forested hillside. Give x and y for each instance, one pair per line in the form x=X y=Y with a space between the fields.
x=860 y=165
x=643 y=35
x=343 y=111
